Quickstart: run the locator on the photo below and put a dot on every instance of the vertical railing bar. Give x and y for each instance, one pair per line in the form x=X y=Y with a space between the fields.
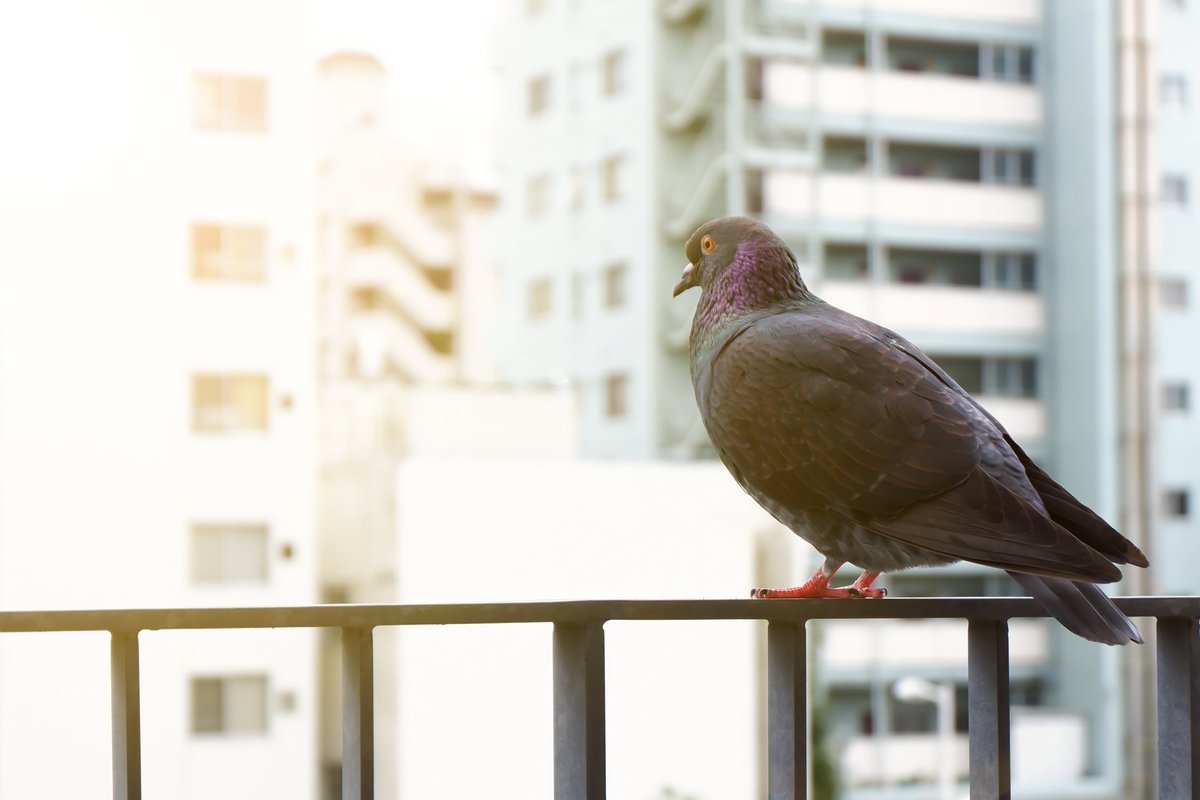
x=126 y=717
x=579 y=723
x=1178 y=738
x=988 y=709
x=787 y=711
x=358 y=714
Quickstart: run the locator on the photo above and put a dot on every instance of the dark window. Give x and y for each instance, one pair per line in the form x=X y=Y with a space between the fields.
x=1011 y=271
x=1175 y=396
x=845 y=47
x=615 y=72
x=941 y=267
x=616 y=396
x=538 y=95
x=846 y=262
x=229 y=704
x=615 y=277
x=1173 y=293
x=844 y=154
x=1176 y=503
x=933 y=56
x=1175 y=190
x=613 y=178
x=540 y=299
x=934 y=161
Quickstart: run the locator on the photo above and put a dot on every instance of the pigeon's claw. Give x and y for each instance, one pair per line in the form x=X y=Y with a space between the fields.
x=817 y=587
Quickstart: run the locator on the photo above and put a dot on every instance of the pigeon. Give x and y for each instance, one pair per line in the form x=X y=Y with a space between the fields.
x=856 y=440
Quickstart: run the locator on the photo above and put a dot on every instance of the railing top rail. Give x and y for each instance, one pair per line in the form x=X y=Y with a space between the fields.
x=367 y=616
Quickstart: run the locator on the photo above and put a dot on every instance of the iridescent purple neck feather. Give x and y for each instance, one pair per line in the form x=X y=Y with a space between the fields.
x=760 y=275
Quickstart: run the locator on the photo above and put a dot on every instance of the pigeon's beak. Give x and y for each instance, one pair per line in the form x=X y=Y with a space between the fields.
x=686 y=281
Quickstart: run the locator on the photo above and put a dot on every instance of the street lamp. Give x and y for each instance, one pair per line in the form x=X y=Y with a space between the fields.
x=916 y=690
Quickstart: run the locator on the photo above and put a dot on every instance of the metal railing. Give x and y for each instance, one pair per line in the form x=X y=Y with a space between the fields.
x=578 y=653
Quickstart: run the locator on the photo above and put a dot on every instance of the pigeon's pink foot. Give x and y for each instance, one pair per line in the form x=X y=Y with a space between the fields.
x=817 y=587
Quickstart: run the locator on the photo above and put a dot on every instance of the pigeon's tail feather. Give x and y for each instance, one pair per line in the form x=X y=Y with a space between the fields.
x=1081 y=607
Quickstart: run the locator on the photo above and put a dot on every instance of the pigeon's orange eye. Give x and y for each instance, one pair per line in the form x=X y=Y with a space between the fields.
x=707 y=244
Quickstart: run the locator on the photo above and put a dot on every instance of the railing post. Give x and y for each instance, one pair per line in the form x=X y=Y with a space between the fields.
x=988 y=709
x=126 y=717
x=787 y=711
x=579 y=757
x=1178 y=738
x=358 y=715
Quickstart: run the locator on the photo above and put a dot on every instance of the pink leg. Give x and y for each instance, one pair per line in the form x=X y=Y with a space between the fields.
x=818 y=587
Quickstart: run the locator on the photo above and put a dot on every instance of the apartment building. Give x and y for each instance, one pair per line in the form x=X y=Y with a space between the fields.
x=157 y=389
x=946 y=169
x=1175 y=74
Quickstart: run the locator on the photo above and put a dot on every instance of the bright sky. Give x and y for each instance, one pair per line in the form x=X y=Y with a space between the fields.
x=440 y=63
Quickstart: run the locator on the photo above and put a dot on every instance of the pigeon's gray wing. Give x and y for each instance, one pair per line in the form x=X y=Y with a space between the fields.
x=812 y=411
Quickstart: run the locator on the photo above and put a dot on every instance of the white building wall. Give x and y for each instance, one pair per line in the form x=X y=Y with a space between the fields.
x=102 y=327
x=681 y=698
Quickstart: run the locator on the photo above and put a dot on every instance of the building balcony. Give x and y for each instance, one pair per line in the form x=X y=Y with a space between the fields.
x=942 y=309
x=906 y=202
x=912 y=98
x=389 y=271
x=385 y=343
x=1004 y=12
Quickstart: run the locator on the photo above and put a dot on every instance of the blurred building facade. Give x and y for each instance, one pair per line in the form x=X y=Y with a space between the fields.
x=404 y=295
x=946 y=169
x=157 y=388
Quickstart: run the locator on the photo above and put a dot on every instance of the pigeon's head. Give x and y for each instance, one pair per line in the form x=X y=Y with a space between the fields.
x=736 y=253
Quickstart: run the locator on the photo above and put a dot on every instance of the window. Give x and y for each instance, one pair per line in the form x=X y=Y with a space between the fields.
x=844 y=154
x=229 y=704
x=1010 y=167
x=223 y=403
x=845 y=47
x=540 y=298
x=613 y=178
x=615 y=276
x=1000 y=376
x=939 y=267
x=846 y=262
x=1173 y=91
x=1173 y=293
x=229 y=252
x=615 y=73
x=229 y=553
x=1010 y=271
x=537 y=196
x=538 y=95
x=1006 y=62
x=616 y=399
x=1176 y=503
x=1175 y=396
x=934 y=162
x=933 y=56
x=1010 y=377
x=1174 y=190
x=229 y=102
